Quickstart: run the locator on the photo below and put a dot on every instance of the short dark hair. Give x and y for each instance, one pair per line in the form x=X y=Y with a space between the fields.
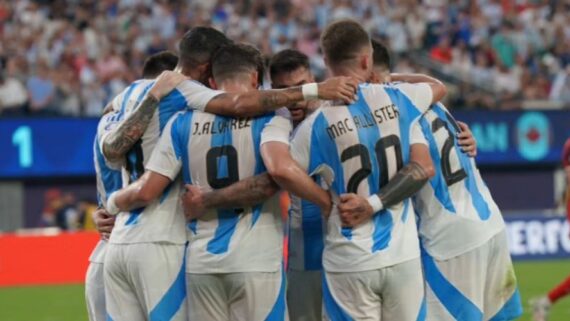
x=198 y=45
x=381 y=54
x=260 y=60
x=159 y=62
x=342 y=40
x=286 y=61
x=234 y=59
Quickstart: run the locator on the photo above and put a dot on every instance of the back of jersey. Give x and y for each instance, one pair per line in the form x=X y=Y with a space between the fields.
x=162 y=220
x=456 y=210
x=364 y=145
x=216 y=152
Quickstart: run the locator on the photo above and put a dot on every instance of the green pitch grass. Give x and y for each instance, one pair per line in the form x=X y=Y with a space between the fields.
x=66 y=303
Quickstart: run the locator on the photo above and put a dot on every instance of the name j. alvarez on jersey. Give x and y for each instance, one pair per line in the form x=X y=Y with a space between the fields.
x=220 y=127
x=363 y=120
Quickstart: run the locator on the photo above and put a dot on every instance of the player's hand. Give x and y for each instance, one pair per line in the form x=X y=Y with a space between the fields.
x=327 y=209
x=104 y=223
x=354 y=210
x=466 y=140
x=193 y=202
x=339 y=88
x=165 y=83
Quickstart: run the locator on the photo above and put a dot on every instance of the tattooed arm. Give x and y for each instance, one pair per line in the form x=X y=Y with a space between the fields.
x=245 y=193
x=259 y=102
x=121 y=139
x=355 y=209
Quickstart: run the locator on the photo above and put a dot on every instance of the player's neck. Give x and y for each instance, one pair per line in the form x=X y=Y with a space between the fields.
x=358 y=74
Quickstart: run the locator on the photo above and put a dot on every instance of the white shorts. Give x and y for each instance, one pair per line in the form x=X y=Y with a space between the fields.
x=305 y=295
x=145 y=281
x=95 y=292
x=474 y=286
x=251 y=296
x=393 y=293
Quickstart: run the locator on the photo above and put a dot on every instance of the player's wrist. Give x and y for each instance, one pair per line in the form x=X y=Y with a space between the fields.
x=376 y=203
x=112 y=207
x=310 y=91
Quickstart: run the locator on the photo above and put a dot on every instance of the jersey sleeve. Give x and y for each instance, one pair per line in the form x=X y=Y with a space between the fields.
x=301 y=144
x=420 y=94
x=195 y=95
x=107 y=124
x=278 y=129
x=417 y=136
x=164 y=159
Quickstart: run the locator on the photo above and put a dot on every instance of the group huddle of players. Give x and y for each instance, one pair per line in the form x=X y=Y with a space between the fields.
x=389 y=217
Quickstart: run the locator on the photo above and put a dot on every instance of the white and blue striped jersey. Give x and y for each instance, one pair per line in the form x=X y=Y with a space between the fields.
x=364 y=145
x=214 y=152
x=162 y=220
x=456 y=210
x=108 y=176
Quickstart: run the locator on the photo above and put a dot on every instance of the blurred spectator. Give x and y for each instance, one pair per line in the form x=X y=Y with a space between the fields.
x=13 y=96
x=41 y=90
x=67 y=217
x=74 y=56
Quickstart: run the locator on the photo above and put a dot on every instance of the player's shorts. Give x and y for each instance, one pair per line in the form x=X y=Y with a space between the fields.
x=248 y=296
x=474 y=286
x=393 y=293
x=95 y=292
x=145 y=281
x=305 y=295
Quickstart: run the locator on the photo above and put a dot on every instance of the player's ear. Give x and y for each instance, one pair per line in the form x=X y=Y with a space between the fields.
x=213 y=84
x=365 y=62
x=254 y=76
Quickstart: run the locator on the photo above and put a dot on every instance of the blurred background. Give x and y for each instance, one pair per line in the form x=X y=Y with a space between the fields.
x=506 y=64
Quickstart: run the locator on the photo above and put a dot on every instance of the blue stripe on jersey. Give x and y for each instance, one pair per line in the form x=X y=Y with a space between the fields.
x=256 y=129
x=333 y=309
x=478 y=200
x=313 y=242
x=169 y=106
x=438 y=181
x=108 y=317
x=369 y=136
x=277 y=313
x=408 y=113
x=111 y=179
x=322 y=144
x=227 y=219
x=511 y=310
x=459 y=306
x=423 y=311
x=173 y=299
x=180 y=137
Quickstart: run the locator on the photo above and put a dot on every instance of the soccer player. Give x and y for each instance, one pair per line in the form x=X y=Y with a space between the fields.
x=234 y=262
x=143 y=235
x=465 y=254
x=381 y=69
x=288 y=68
x=373 y=271
x=541 y=305
x=109 y=180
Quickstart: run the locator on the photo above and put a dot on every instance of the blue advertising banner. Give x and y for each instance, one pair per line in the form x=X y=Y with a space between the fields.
x=518 y=137
x=46 y=147
x=538 y=237
x=63 y=146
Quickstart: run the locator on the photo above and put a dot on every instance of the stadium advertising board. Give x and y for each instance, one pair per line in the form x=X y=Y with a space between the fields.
x=518 y=138
x=538 y=237
x=63 y=147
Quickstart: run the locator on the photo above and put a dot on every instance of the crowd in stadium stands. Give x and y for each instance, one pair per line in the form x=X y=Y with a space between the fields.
x=69 y=57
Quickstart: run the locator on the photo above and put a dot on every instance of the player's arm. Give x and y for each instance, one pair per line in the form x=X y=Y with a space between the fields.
x=466 y=140
x=244 y=193
x=138 y=194
x=259 y=102
x=120 y=140
x=438 y=89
